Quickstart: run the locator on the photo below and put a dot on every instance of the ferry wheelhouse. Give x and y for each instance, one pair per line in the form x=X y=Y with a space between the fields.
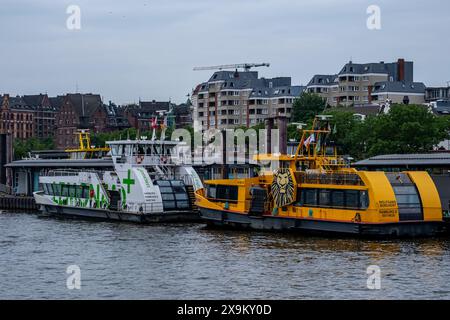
x=149 y=183
x=316 y=191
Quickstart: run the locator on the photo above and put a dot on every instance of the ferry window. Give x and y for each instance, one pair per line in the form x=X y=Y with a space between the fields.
x=338 y=198
x=79 y=191
x=311 y=197
x=128 y=150
x=165 y=189
x=85 y=192
x=179 y=189
x=364 y=199
x=120 y=150
x=211 y=191
x=163 y=183
x=49 y=189
x=408 y=199
x=352 y=198
x=169 y=205
x=72 y=191
x=183 y=204
x=167 y=196
x=300 y=198
x=324 y=197
x=114 y=150
x=228 y=192
x=181 y=196
x=56 y=189
x=65 y=191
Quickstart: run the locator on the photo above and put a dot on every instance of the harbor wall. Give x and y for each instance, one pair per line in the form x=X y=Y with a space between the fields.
x=18 y=203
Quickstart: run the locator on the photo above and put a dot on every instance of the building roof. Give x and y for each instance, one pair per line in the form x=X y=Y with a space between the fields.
x=366 y=110
x=85 y=104
x=323 y=80
x=17 y=103
x=399 y=86
x=56 y=102
x=61 y=163
x=233 y=80
x=148 y=109
x=424 y=159
x=289 y=91
x=364 y=68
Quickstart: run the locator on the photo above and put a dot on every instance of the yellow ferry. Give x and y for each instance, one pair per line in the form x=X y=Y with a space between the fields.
x=315 y=191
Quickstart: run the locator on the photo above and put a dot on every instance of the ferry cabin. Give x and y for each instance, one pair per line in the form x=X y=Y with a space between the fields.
x=344 y=203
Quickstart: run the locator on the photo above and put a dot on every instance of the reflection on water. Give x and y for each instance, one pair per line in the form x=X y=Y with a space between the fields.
x=181 y=261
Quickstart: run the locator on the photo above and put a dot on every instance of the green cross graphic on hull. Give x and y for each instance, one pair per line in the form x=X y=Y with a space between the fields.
x=128 y=181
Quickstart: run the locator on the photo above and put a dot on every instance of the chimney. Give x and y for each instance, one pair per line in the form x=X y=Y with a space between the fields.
x=282 y=126
x=269 y=127
x=401 y=70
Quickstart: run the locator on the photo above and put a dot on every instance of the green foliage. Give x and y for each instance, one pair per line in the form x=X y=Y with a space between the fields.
x=307 y=106
x=405 y=129
x=346 y=132
x=23 y=147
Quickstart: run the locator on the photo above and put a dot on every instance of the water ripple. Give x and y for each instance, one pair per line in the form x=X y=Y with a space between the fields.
x=189 y=261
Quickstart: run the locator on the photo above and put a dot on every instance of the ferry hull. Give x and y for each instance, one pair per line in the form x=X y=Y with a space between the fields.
x=110 y=215
x=229 y=219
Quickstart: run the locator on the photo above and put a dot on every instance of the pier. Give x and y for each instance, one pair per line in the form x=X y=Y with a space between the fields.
x=8 y=202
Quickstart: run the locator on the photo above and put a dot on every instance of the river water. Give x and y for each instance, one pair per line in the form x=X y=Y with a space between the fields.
x=189 y=261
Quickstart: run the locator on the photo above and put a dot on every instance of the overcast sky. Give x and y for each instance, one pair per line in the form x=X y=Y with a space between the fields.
x=126 y=50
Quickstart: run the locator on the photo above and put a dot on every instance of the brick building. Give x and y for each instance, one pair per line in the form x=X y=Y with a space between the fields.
x=79 y=111
x=44 y=114
x=140 y=115
x=16 y=118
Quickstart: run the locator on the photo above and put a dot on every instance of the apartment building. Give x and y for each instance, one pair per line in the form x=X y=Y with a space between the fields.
x=398 y=92
x=433 y=94
x=231 y=99
x=354 y=84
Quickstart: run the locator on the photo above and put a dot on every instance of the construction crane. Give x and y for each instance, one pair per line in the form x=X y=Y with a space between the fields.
x=245 y=66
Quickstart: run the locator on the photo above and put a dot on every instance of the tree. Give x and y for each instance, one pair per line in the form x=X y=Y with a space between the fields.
x=405 y=129
x=23 y=147
x=307 y=106
x=346 y=133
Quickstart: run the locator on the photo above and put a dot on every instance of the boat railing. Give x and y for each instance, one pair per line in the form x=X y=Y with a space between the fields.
x=187 y=179
x=62 y=173
x=140 y=207
x=330 y=178
x=145 y=159
x=69 y=173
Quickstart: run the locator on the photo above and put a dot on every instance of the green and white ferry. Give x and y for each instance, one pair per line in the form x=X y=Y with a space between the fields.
x=150 y=182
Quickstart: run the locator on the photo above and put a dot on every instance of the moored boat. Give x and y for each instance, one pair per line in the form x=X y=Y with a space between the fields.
x=315 y=191
x=148 y=184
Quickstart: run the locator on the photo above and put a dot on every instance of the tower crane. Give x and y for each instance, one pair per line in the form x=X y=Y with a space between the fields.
x=245 y=66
